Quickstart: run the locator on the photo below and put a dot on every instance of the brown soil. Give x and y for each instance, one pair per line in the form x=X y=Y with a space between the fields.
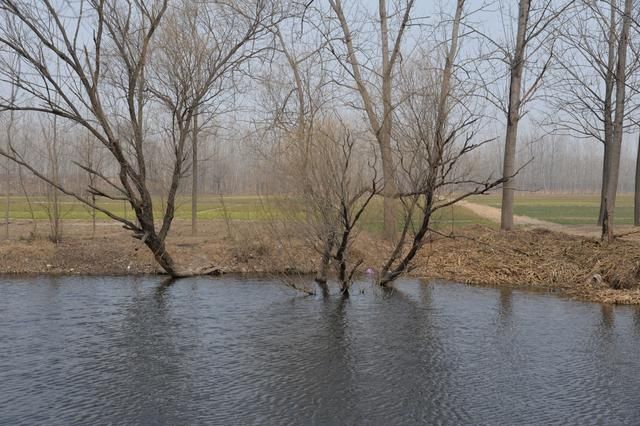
x=576 y=266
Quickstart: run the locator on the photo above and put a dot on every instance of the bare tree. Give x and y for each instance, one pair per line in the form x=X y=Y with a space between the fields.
x=317 y=158
x=435 y=135
x=333 y=190
x=635 y=89
x=53 y=205
x=583 y=95
x=636 y=194
x=378 y=108
x=8 y=168
x=618 y=123
x=194 y=175
x=109 y=80
x=532 y=36
x=93 y=158
x=513 y=114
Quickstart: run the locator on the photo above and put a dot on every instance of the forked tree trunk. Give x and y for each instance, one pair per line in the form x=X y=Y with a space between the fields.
x=390 y=272
x=513 y=117
x=161 y=256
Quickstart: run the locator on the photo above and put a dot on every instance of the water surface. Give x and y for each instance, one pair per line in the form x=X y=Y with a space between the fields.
x=77 y=350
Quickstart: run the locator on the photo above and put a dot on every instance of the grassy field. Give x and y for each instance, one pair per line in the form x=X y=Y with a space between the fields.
x=565 y=209
x=558 y=208
x=242 y=208
x=233 y=208
x=444 y=220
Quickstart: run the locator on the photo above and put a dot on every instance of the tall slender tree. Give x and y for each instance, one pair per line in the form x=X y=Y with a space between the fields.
x=583 y=93
x=533 y=37
x=194 y=175
x=618 y=123
x=378 y=108
x=513 y=115
x=8 y=166
x=636 y=194
x=435 y=134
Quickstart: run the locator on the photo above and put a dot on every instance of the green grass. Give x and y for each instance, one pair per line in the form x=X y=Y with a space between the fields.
x=235 y=208
x=562 y=208
x=558 y=208
x=445 y=219
x=209 y=207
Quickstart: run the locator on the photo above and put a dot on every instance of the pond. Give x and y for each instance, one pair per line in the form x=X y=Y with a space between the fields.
x=80 y=350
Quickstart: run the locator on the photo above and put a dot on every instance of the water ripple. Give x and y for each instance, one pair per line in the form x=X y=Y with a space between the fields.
x=231 y=351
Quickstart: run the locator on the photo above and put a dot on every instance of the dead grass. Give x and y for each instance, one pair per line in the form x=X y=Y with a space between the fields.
x=114 y=252
x=576 y=266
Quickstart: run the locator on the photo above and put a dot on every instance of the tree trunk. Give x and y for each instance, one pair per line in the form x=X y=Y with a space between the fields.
x=7 y=201
x=508 y=169
x=381 y=126
x=194 y=182
x=7 y=188
x=618 y=129
x=605 y=179
x=384 y=133
x=323 y=270
x=636 y=198
x=53 y=201
x=343 y=276
x=161 y=255
x=7 y=182
x=93 y=217
x=34 y=223
x=390 y=190
x=388 y=274
x=513 y=118
x=610 y=83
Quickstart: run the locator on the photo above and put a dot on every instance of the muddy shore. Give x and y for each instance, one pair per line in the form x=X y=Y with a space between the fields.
x=574 y=266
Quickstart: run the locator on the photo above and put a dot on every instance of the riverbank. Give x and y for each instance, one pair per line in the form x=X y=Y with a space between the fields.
x=575 y=266
x=579 y=267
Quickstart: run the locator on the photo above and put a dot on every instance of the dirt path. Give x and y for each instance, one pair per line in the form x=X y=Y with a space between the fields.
x=493 y=214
